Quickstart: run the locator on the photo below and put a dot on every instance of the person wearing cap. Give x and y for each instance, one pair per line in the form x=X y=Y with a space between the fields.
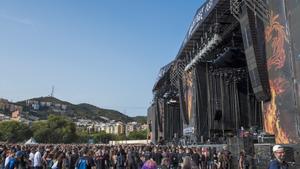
x=278 y=162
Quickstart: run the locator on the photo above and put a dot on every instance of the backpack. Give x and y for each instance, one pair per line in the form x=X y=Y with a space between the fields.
x=82 y=163
x=11 y=164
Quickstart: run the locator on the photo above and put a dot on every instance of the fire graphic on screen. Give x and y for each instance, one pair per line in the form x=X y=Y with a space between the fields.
x=272 y=122
x=275 y=33
x=189 y=93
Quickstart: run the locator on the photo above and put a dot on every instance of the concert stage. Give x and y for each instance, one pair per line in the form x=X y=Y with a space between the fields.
x=237 y=72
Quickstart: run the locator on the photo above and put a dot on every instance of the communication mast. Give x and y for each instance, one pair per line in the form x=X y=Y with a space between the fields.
x=52 y=91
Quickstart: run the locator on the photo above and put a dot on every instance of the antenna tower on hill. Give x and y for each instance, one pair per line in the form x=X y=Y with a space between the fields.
x=52 y=92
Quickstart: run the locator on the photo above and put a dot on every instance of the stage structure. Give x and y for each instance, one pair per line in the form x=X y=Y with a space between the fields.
x=237 y=68
x=164 y=119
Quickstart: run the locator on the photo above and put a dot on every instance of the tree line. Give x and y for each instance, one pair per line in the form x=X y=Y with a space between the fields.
x=58 y=129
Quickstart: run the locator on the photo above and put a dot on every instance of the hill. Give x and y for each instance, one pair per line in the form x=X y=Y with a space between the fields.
x=140 y=119
x=51 y=105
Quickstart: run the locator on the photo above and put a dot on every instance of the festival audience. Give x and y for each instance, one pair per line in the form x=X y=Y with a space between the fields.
x=79 y=156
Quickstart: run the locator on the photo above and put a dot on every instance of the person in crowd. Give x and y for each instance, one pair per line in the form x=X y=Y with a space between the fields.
x=73 y=158
x=10 y=160
x=37 y=160
x=106 y=158
x=20 y=159
x=147 y=153
x=150 y=164
x=243 y=161
x=3 y=153
x=214 y=162
x=227 y=158
x=196 y=157
x=205 y=158
x=83 y=161
x=31 y=158
x=180 y=155
x=156 y=155
x=187 y=162
x=49 y=160
x=99 y=160
x=131 y=160
x=278 y=162
x=121 y=158
x=174 y=162
x=165 y=163
x=113 y=158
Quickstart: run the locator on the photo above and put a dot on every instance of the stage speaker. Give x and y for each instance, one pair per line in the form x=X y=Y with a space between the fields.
x=252 y=29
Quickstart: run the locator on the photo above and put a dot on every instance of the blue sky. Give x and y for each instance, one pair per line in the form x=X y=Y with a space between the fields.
x=104 y=52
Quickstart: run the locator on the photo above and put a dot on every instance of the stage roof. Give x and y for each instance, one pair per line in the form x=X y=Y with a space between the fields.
x=211 y=12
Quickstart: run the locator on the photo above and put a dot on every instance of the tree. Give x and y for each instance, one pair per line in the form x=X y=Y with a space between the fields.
x=57 y=129
x=137 y=135
x=13 y=131
x=103 y=137
x=82 y=136
x=120 y=137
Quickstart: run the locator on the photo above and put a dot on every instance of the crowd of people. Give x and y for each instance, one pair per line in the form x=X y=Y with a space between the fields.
x=118 y=157
x=104 y=157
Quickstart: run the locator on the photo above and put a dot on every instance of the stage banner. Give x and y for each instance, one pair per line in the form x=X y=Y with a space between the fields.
x=188 y=95
x=160 y=112
x=281 y=112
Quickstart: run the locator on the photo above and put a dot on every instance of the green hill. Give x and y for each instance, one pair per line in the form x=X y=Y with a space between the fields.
x=83 y=110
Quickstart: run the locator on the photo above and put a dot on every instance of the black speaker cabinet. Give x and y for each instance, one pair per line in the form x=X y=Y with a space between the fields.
x=252 y=29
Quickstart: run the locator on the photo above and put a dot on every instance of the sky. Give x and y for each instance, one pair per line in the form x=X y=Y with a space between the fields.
x=103 y=52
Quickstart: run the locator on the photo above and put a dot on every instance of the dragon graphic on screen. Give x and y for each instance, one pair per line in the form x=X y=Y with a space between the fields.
x=275 y=33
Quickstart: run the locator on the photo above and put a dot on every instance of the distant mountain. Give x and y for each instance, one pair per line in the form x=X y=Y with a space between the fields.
x=51 y=105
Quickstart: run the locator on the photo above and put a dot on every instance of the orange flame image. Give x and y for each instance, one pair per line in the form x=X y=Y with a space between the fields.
x=275 y=32
x=272 y=122
x=189 y=93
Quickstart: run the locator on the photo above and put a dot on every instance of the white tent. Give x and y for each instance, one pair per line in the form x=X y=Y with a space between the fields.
x=31 y=141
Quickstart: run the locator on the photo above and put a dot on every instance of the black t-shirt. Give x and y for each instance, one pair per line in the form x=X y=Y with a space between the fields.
x=157 y=157
x=73 y=159
x=100 y=162
x=196 y=158
x=147 y=155
x=174 y=160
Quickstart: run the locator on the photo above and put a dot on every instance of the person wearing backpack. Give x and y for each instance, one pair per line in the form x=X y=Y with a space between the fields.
x=10 y=161
x=83 y=161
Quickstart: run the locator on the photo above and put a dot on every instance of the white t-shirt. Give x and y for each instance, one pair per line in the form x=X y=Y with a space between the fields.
x=31 y=158
x=37 y=161
x=7 y=160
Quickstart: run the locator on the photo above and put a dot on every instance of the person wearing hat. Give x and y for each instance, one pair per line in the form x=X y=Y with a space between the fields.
x=278 y=162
